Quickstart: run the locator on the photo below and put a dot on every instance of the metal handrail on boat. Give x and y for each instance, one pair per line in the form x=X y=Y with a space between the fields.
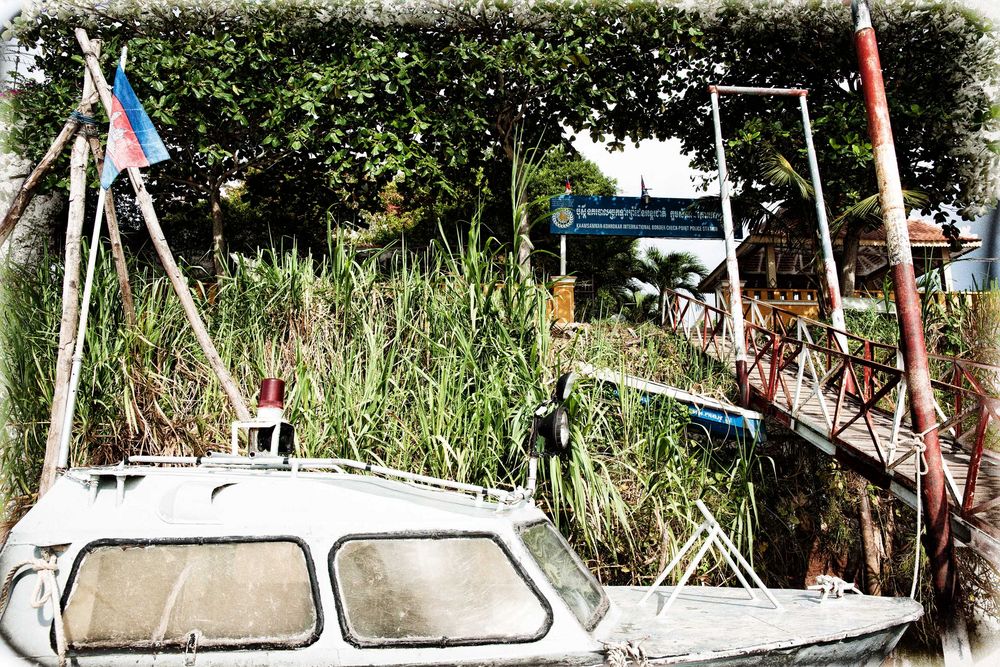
x=214 y=459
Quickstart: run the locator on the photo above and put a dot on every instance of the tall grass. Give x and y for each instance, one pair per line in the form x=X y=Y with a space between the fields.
x=429 y=361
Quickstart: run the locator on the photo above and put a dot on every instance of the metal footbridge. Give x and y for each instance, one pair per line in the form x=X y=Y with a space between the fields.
x=852 y=404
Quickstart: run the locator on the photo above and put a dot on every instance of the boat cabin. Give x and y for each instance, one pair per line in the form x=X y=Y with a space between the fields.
x=237 y=560
x=291 y=568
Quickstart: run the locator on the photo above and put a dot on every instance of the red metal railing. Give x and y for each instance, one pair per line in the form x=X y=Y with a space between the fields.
x=798 y=366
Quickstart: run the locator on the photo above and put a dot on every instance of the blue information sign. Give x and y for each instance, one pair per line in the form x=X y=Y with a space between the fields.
x=628 y=216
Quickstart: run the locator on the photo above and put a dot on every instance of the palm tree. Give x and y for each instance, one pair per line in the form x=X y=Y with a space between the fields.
x=856 y=219
x=670 y=271
x=636 y=305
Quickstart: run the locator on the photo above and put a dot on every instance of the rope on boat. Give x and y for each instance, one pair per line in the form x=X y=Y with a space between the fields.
x=628 y=652
x=834 y=586
x=46 y=591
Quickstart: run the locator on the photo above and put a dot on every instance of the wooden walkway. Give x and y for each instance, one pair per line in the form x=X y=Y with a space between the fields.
x=848 y=406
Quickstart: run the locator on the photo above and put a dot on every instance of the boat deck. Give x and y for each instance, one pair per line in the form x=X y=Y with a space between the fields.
x=690 y=632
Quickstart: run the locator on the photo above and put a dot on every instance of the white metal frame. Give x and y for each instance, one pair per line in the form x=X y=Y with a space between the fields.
x=715 y=536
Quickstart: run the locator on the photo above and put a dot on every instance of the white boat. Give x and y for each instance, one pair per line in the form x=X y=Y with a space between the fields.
x=265 y=559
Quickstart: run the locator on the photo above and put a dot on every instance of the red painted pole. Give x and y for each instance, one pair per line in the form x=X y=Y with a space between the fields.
x=938 y=539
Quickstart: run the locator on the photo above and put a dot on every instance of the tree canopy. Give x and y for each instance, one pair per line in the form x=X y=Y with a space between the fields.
x=317 y=107
x=940 y=62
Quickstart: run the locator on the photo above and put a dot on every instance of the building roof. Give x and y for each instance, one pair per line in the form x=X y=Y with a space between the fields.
x=796 y=258
x=923 y=234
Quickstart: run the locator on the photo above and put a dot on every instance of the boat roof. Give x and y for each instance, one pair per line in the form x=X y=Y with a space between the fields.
x=162 y=502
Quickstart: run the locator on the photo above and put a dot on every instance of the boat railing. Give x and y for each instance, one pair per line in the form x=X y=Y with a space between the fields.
x=295 y=464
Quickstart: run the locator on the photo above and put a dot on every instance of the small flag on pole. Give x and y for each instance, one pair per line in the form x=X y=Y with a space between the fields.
x=569 y=188
x=642 y=184
x=132 y=139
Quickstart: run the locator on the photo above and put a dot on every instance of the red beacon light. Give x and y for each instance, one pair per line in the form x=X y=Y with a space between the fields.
x=271 y=408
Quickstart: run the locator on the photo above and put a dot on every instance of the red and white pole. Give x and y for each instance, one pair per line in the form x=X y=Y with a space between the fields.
x=938 y=538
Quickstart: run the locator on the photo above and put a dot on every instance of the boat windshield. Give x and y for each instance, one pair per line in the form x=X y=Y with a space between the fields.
x=568 y=575
x=235 y=594
x=434 y=590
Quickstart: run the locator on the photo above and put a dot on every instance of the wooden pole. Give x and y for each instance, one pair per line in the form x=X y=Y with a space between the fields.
x=70 y=303
x=114 y=235
x=27 y=189
x=81 y=336
x=163 y=249
x=117 y=253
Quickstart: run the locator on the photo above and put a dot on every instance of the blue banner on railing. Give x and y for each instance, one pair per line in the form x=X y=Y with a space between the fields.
x=660 y=217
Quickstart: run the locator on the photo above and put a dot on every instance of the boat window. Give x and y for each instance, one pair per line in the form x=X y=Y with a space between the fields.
x=434 y=590
x=177 y=595
x=569 y=576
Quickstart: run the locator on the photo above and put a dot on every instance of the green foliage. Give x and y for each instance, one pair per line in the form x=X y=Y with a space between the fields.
x=940 y=63
x=318 y=106
x=671 y=271
x=389 y=224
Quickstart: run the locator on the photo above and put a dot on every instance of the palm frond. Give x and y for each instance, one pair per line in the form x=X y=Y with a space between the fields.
x=869 y=209
x=779 y=171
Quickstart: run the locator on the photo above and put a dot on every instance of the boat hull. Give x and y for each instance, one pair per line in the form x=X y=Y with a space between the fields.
x=705 y=627
x=723 y=626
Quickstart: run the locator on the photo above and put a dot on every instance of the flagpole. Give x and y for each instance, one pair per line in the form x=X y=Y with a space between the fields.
x=81 y=333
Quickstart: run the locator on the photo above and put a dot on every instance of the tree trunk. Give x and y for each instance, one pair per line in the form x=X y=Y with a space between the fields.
x=849 y=264
x=871 y=551
x=27 y=189
x=218 y=232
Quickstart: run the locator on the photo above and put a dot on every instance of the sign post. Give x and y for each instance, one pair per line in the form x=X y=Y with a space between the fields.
x=645 y=216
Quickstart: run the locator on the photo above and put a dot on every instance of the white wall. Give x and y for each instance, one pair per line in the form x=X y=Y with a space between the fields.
x=971 y=271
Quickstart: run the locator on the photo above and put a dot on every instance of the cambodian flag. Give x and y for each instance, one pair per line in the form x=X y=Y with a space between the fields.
x=132 y=139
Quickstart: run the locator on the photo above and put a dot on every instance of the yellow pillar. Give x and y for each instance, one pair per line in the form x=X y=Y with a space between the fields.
x=563 y=293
